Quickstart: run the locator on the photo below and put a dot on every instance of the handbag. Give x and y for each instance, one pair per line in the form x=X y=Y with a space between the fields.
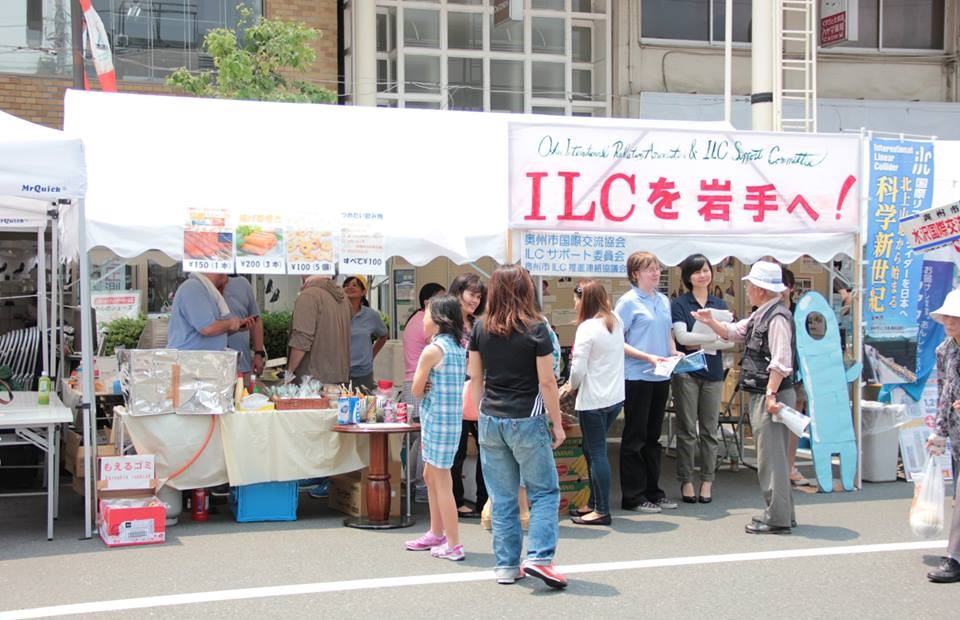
x=470 y=413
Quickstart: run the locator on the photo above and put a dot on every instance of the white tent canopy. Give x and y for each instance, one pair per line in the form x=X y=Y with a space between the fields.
x=439 y=178
x=38 y=162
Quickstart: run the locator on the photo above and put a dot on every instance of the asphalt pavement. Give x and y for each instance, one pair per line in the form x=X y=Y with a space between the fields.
x=852 y=555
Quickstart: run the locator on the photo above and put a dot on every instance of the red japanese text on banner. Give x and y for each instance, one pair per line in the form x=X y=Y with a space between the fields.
x=658 y=180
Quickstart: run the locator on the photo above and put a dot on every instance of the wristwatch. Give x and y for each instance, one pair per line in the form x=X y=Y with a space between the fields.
x=262 y=354
x=771 y=393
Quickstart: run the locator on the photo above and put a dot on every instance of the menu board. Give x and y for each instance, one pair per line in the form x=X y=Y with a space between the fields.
x=208 y=241
x=260 y=243
x=362 y=249
x=311 y=247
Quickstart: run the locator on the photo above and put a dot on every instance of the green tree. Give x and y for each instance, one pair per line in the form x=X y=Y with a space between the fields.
x=257 y=66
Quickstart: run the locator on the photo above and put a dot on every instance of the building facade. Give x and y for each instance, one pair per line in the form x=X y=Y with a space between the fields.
x=149 y=39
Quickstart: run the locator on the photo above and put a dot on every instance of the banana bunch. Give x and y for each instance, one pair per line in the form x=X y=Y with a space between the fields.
x=579 y=466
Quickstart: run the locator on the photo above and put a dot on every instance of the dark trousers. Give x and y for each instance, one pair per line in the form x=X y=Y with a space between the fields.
x=640 y=451
x=469 y=428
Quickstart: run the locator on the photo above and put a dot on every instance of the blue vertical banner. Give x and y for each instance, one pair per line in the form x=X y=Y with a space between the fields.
x=936 y=282
x=901 y=183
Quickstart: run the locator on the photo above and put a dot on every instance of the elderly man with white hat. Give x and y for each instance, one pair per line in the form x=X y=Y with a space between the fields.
x=948 y=421
x=766 y=371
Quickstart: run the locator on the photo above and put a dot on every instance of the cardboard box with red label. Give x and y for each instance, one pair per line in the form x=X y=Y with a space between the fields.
x=130 y=512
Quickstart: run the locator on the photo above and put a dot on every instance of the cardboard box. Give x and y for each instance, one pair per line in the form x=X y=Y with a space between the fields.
x=572 y=468
x=132 y=521
x=348 y=492
x=573 y=494
x=130 y=512
x=73 y=450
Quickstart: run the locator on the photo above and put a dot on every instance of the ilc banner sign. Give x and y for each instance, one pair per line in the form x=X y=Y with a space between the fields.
x=660 y=180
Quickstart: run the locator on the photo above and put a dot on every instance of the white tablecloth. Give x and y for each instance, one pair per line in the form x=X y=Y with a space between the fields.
x=248 y=448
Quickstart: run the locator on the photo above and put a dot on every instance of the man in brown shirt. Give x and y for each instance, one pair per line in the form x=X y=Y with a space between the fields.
x=320 y=332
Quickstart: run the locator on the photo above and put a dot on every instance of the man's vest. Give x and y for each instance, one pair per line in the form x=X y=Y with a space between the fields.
x=756 y=356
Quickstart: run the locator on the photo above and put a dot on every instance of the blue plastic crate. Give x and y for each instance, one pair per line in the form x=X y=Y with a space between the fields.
x=267 y=501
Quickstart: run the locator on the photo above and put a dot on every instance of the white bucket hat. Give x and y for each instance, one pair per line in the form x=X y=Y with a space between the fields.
x=950 y=307
x=766 y=275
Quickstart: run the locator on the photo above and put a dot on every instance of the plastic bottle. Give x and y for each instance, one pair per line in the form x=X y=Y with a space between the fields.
x=43 y=390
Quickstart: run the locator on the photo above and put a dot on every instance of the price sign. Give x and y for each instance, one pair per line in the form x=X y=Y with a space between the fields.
x=311 y=248
x=260 y=243
x=208 y=241
x=362 y=248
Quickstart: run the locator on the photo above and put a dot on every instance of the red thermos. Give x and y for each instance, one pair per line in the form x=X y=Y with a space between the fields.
x=199 y=510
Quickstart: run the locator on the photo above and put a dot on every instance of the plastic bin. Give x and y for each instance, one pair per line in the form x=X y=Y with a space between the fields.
x=267 y=501
x=881 y=441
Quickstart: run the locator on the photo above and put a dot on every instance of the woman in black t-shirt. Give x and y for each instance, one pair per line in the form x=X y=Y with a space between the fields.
x=511 y=377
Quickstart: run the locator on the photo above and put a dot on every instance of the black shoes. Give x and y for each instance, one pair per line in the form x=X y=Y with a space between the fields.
x=604 y=520
x=949 y=572
x=762 y=528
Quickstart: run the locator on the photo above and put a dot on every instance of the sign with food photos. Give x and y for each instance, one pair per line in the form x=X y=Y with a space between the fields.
x=259 y=239
x=208 y=241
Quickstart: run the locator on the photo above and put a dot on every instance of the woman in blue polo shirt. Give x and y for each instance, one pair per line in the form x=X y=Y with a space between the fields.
x=646 y=318
x=697 y=395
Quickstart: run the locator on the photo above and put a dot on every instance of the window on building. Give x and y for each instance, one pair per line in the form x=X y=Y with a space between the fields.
x=149 y=38
x=900 y=24
x=693 y=20
x=449 y=54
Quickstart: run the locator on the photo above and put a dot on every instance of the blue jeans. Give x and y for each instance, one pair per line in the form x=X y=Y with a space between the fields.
x=511 y=449
x=595 y=424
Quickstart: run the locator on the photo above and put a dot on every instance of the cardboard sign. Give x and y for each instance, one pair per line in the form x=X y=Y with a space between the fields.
x=127 y=472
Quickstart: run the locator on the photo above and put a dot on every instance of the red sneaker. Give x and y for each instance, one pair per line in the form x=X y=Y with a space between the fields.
x=546 y=573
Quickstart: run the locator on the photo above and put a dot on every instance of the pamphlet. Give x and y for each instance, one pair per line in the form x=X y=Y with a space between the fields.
x=681 y=364
x=724 y=316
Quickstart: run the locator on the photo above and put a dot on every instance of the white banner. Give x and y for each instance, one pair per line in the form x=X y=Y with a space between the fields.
x=675 y=181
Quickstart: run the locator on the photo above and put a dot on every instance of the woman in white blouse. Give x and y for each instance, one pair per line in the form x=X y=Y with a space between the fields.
x=596 y=373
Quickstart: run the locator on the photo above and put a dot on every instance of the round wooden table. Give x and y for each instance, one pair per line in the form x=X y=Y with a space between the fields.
x=378 y=476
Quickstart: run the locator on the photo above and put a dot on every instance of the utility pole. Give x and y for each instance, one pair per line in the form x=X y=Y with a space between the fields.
x=761 y=65
x=76 y=39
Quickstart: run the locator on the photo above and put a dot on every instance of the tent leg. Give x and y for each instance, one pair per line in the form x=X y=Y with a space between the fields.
x=42 y=308
x=86 y=352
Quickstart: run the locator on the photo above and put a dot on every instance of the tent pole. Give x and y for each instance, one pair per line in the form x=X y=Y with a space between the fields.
x=86 y=352
x=54 y=297
x=43 y=315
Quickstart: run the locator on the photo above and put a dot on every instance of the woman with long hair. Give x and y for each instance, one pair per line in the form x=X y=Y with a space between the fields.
x=511 y=377
x=697 y=394
x=444 y=363
x=472 y=293
x=645 y=313
x=596 y=374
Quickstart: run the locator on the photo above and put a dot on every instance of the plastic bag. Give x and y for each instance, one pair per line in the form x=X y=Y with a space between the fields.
x=926 y=512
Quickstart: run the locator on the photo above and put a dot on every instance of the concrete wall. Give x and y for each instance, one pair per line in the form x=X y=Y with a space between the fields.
x=698 y=68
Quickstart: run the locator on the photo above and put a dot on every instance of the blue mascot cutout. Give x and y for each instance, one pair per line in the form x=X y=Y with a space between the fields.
x=825 y=385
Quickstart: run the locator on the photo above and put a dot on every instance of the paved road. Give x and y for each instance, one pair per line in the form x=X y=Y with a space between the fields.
x=852 y=555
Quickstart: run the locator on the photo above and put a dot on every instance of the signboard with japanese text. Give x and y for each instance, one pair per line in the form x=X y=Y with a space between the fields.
x=362 y=250
x=674 y=181
x=127 y=472
x=260 y=243
x=574 y=254
x=208 y=241
x=110 y=305
x=839 y=21
x=311 y=247
x=901 y=183
x=933 y=228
